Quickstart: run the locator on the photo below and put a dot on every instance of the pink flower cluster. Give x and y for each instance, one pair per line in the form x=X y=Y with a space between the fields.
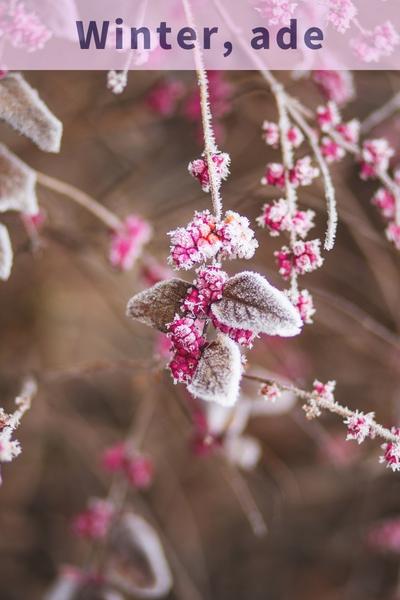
x=94 y=522
x=375 y=158
x=337 y=86
x=203 y=238
x=341 y=13
x=301 y=258
x=137 y=468
x=208 y=288
x=23 y=28
x=391 y=452
x=330 y=123
x=277 y=12
x=302 y=174
x=276 y=218
x=127 y=242
x=271 y=135
x=187 y=344
x=380 y=42
x=359 y=426
x=199 y=169
x=163 y=98
x=304 y=303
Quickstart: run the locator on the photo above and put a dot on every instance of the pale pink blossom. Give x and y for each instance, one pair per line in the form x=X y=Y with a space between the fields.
x=302 y=258
x=23 y=28
x=381 y=42
x=359 y=426
x=328 y=116
x=127 y=242
x=199 y=169
x=349 y=131
x=237 y=236
x=196 y=242
x=303 y=173
x=164 y=97
x=385 y=202
x=271 y=391
x=391 y=453
x=393 y=234
x=137 y=468
x=304 y=303
x=274 y=175
x=270 y=133
x=276 y=218
x=324 y=390
x=375 y=157
x=295 y=136
x=276 y=12
x=337 y=86
x=331 y=150
x=94 y=522
x=341 y=14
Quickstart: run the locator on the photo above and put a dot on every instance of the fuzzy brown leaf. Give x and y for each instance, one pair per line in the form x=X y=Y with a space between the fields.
x=21 y=107
x=250 y=302
x=17 y=184
x=158 y=305
x=218 y=373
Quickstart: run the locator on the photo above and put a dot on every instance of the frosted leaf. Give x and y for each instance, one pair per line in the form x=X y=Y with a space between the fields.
x=59 y=16
x=250 y=302
x=17 y=184
x=218 y=373
x=158 y=305
x=21 y=107
x=130 y=537
x=6 y=254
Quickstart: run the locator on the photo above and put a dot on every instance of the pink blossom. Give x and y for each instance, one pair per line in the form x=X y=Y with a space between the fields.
x=209 y=287
x=349 y=131
x=324 y=390
x=127 y=242
x=359 y=426
x=391 y=453
x=113 y=458
x=380 y=42
x=304 y=303
x=303 y=173
x=331 y=150
x=337 y=86
x=277 y=12
x=274 y=175
x=328 y=116
x=24 y=29
x=276 y=218
x=393 y=234
x=199 y=169
x=270 y=133
x=385 y=201
x=195 y=243
x=139 y=471
x=163 y=98
x=94 y=522
x=244 y=337
x=304 y=257
x=385 y=536
x=375 y=155
x=237 y=236
x=341 y=14
x=271 y=391
x=295 y=136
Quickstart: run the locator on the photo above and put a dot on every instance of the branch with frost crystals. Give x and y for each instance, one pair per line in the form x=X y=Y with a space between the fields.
x=10 y=448
x=210 y=146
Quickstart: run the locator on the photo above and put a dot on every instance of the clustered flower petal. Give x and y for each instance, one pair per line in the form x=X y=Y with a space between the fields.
x=274 y=175
x=335 y=85
x=359 y=426
x=328 y=116
x=303 y=172
x=303 y=257
x=375 y=157
x=271 y=391
x=331 y=150
x=276 y=218
x=385 y=202
x=380 y=42
x=127 y=242
x=271 y=135
x=303 y=301
x=199 y=169
x=137 y=468
x=187 y=341
x=94 y=522
x=277 y=12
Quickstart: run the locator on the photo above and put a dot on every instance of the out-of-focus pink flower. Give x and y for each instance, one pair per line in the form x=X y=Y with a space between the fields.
x=359 y=426
x=385 y=536
x=276 y=218
x=199 y=169
x=270 y=133
x=23 y=28
x=341 y=14
x=328 y=116
x=127 y=242
x=303 y=173
x=385 y=201
x=295 y=136
x=336 y=450
x=277 y=12
x=375 y=156
x=393 y=234
x=94 y=522
x=163 y=98
x=331 y=150
x=137 y=468
x=274 y=175
x=303 y=257
x=271 y=391
x=113 y=458
x=380 y=42
x=391 y=452
x=337 y=86
x=349 y=131
x=304 y=303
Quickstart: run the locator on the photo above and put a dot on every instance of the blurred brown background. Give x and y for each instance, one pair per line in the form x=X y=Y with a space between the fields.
x=64 y=308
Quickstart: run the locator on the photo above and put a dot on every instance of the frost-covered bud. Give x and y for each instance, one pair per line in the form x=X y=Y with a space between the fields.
x=94 y=522
x=331 y=150
x=375 y=155
x=359 y=426
x=337 y=86
x=196 y=242
x=274 y=175
x=304 y=303
x=294 y=136
x=303 y=173
x=243 y=337
x=302 y=222
x=210 y=281
x=127 y=242
x=271 y=391
x=341 y=13
x=270 y=133
x=393 y=234
x=304 y=257
x=328 y=116
x=349 y=131
x=324 y=390
x=199 y=169
x=385 y=202
x=185 y=335
x=391 y=453
x=237 y=236
x=117 y=81
x=275 y=217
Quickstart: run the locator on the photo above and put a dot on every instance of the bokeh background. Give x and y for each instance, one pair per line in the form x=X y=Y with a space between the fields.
x=62 y=317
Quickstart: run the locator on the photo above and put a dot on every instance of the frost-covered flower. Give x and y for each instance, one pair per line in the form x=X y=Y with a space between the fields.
x=375 y=155
x=127 y=242
x=328 y=116
x=271 y=391
x=295 y=136
x=274 y=175
x=277 y=12
x=237 y=236
x=163 y=98
x=303 y=173
x=341 y=13
x=349 y=131
x=331 y=150
x=243 y=337
x=23 y=28
x=303 y=257
x=393 y=234
x=117 y=81
x=137 y=468
x=276 y=218
x=199 y=169
x=94 y=522
x=337 y=86
x=385 y=202
x=304 y=303
x=391 y=453
x=196 y=242
x=359 y=426
x=324 y=390
x=270 y=133
x=209 y=285
x=185 y=335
